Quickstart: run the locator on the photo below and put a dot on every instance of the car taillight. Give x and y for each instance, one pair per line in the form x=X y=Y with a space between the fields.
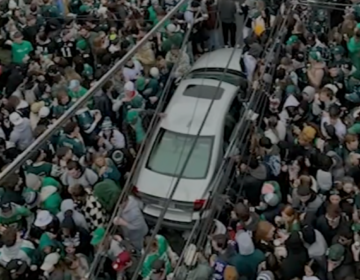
x=135 y=190
x=198 y=204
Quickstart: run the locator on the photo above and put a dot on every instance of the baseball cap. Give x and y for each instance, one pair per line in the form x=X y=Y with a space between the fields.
x=140 y=83
x=44 y=112
x=43 y=218
x=16 y=119
x=121 y=261
x=336 y=252
x=97 y=236
x=129 y=86
x=50 y=261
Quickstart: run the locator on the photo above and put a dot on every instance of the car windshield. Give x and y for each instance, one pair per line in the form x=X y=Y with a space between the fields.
x=171 y=150
x=230 y=76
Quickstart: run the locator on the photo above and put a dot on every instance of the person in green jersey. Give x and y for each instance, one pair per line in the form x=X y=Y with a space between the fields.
x=160 y=249
x=13 y=215
x=353 y=46
x=174 y=37
x=72 y=139
x=40 y=167
x=76 y=90
x=64 y=102
x=150 y=89
x=20 y=49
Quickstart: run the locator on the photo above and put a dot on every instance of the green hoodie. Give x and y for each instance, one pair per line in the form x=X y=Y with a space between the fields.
x=49 y=195
x=74 y=144
x=107 y=193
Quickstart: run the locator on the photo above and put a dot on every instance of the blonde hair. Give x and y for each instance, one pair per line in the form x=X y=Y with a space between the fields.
x=71 y=74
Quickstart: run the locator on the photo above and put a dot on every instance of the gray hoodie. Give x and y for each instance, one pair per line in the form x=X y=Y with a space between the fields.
x=137 y=228
x=22 y=135
x=79 y=219
x=318 y=249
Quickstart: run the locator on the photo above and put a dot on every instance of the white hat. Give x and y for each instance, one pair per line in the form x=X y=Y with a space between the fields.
x=154 y=72
x=44 y=112
x=15 y=118
x=43 y=218
x=129 y=86
x=172 y=28
x=50 y=261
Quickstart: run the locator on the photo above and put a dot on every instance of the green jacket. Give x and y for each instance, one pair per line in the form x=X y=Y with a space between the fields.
x=175 y=39
x=77 y=147
x=151 y=88
x=61 y=109
x=107 y=193
x=18 y=213
x=49 y=194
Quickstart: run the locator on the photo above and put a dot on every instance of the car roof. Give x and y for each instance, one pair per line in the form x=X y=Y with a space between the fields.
x=185 y=114
x=220 y=59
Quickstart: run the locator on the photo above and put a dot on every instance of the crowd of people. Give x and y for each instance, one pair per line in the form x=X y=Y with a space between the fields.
x=293 y=209
x=293 y=212
x=55 y=210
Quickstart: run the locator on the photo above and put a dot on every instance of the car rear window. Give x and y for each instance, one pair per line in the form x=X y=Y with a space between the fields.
x=232 y=77
x=171 y=149
x=203 y=91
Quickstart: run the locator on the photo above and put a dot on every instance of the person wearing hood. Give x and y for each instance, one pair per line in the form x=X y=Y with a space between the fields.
x=132 y=222
x=22 y=135
x=67 y=208
x=249 y=258
x=297 y=257
x=49 y=192
x=15 y=247
x=75 y=239
x=107 y=192
x=76 y=174
x=314 y=242
x=253 y=175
